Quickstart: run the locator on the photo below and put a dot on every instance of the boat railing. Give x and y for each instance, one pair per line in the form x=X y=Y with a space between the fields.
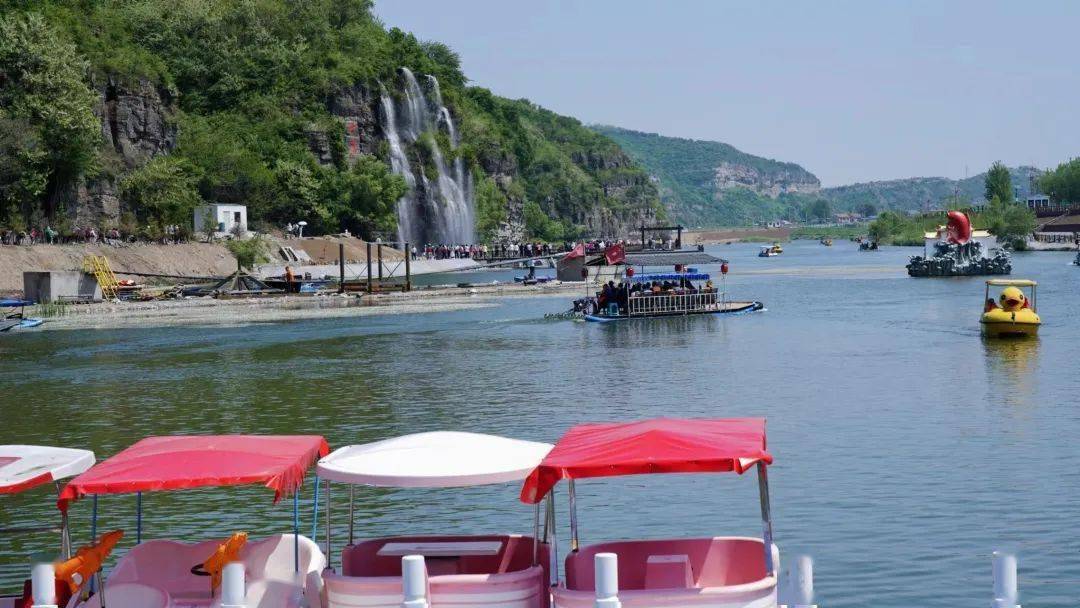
x=652 y=304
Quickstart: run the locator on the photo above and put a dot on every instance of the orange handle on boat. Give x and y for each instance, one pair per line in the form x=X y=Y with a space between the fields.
x=226 y=552
x=87 y=561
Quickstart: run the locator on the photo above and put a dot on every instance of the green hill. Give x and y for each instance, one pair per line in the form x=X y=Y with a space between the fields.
x=919 y=193
x=132 y=113
x=709 y=183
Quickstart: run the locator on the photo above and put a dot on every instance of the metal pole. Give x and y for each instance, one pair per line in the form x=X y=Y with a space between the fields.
x=352 y=496
x=573 y=517
x=65 y=532
x=315 y=511
x=378 y=248
x=341 y=276
x=369 y=267
x=93 y=536
x=408 y=268
x=766 y=517
x=138 y=517
x=554 y=568
x=296 y=530
x=329 y=558
x=536 y=535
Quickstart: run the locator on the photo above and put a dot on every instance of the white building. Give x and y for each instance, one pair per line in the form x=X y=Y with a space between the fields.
x=1038 y=201
x=222 y=218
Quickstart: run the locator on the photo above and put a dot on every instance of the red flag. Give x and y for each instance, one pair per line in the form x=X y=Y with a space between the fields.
x=615 y=254
x=577 y=252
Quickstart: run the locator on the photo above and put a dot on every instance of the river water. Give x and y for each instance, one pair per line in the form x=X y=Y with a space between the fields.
x=907 y=447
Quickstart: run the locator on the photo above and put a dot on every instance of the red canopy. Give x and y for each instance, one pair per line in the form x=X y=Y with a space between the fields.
x=663 y=445
x=173 y=463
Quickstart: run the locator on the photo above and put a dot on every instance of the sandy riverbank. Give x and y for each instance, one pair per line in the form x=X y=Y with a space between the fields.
x=210 y=311
x=735 y=235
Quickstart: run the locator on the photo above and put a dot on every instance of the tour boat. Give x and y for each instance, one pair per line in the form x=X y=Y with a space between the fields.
x=487 y=570
x=281 y=571
x=27 y=467
x=17 y=320
x=1013 y=314
x=727 y=572
x=769 y=252
x=826 y=242
x=664 y=295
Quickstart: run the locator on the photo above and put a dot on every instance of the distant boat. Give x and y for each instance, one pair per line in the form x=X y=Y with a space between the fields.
x=17 y=320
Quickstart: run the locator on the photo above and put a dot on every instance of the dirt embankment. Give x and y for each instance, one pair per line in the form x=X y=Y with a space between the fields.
x=711 y=237
x=186 y=259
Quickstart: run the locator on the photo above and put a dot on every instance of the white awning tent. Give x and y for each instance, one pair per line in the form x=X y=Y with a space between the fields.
x=23 y=467
x=441 y=459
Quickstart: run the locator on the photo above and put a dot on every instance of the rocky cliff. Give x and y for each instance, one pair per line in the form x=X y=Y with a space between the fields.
x=708 y=183
x=766 y=182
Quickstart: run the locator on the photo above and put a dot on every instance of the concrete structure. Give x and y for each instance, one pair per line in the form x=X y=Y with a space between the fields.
x=60 y=285
x=1038 y=201
x=222 y=218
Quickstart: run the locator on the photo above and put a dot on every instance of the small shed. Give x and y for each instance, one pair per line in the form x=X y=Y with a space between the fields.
x=221 y=218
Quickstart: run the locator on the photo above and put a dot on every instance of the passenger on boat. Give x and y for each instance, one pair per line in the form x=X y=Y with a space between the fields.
x=991 y=304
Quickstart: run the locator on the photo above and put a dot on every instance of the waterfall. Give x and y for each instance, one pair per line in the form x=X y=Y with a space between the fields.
x=439 y=211
x=399 y=164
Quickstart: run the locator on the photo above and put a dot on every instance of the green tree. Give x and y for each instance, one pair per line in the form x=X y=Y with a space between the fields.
x=43 y=83
x=866 y=209
x=1010 y=222
x=163 y=191
x=362 y=200
x=248 y=252
x=491 y=209
x=999 y=183
x=1062 y=185
x=819 y=210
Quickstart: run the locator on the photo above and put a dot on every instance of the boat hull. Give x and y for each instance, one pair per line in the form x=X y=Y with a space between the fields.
x=1005 y=324
x=732 y=308
x=1009 y=329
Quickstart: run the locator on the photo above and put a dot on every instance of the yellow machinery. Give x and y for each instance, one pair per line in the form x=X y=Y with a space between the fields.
x=98 y=265
x=1012 y=314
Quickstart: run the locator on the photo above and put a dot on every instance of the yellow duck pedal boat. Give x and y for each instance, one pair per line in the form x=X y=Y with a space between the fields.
x=1012 y=314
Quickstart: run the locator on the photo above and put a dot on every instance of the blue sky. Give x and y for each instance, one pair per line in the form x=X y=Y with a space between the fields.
x=851 y=90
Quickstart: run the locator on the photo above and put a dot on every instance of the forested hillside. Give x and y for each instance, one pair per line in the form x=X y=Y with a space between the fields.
x=132 y=113
x=709 y=183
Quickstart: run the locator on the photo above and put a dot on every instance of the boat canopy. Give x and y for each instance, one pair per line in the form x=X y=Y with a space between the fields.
x=441 y=459
x=23 y=467
x=175 y=463
x=15 y=303
x=671 y=276
x=663 y=445
x=1012 y=282
x=680 y=257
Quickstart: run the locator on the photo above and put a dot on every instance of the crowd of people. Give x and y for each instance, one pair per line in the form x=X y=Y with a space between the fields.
x=502 y=251
x=47 y=235
x=619 y=294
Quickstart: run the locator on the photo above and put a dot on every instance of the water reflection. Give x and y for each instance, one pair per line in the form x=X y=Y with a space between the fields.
x=1010 y=368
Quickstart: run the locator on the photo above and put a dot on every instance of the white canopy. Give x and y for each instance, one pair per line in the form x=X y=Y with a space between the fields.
x=23 y=467
x=441 y=459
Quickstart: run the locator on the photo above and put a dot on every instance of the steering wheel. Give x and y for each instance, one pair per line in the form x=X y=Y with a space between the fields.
x=199 y=570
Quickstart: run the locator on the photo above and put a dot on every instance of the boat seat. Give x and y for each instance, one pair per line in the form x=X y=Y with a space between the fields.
x=669 y=572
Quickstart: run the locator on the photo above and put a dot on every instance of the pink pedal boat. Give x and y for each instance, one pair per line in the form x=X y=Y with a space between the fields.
x=26 y=467
x=718 y=572
x=479 y=571
x=281 y=571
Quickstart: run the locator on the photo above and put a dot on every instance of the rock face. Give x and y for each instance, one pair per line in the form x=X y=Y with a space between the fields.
x=355 y=106
x=136 y=121
x=136 y=125
x=772 y=184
